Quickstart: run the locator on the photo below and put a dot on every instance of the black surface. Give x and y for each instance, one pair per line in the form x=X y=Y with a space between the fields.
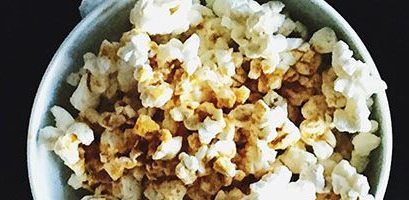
x=33 y=30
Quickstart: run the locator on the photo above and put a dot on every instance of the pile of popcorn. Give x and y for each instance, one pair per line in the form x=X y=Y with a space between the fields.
x=232 y=100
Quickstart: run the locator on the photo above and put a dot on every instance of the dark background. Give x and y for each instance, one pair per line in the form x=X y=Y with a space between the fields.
x=33 y=30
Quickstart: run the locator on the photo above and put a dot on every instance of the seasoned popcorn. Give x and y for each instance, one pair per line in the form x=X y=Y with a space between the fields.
x=231 y=100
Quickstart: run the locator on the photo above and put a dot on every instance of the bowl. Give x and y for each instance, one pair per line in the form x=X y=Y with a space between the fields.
x=47 y=173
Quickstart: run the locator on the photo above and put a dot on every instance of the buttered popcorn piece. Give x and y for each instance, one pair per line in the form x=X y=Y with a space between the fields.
x=364 y=143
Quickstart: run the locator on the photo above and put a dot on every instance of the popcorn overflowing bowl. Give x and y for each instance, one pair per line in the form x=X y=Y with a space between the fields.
x=233 y=100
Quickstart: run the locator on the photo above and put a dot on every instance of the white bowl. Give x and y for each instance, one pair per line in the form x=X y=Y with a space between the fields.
x=48 y=175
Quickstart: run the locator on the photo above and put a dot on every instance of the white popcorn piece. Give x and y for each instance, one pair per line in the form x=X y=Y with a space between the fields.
x=155 y=95
x=315 y=175
x=66 y=147
x=143 y=73
x=83 y=132
x=278 y=184
x=136 y=51
x=354 y=117
x=187 y=168
x=83 y=98
x=228 y=131
x=169 y=148
x=271 y=184
x=323 y=40
x=348 y=183
x=287 y=27
x=186 y=52
x=363 y=143
x=66 y=136
x=96 y=65
x=49 y=136
x=296 y=159
x=125 y=77
x=222 y=148
x=164 y=17
x=225 y=61
x=357 y=84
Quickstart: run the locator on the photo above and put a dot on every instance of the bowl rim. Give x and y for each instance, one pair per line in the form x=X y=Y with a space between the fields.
x=384 y=112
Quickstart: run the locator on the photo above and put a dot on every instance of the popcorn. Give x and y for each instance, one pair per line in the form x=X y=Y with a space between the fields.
x=186 y=169
x=76 y=182
x=222 y=148
x=143 y=73
x=185 y=53
x=315 y=175
x=145 y=125
x=357 y=84
x=212 y=124
x=83 y=98
x=224 y=166
x=317 y=133
x=354 y=117
x=278 y=184
x=173 y=189
x=66 y=136
x=363 y=143
x=193 y=102
x=296 y=159
x=333 y=98
x=242 y=94
x=136 y=51
x=125 y=77
x=348 y=183
x=323 y=40
x=158 y=17
x=234 y=194
x=116 y=167
x=169 y=147
x=259 y=157
x=288 y=136
x=155 y=95
x=128 y=188
x=225 y=61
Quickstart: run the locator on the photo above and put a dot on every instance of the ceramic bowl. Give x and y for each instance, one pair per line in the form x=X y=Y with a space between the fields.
x=48 y=175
